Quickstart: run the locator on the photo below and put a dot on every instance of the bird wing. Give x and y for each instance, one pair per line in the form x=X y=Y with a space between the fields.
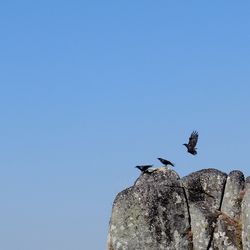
x=147 y=166
x=172 y=164
x=193 y=139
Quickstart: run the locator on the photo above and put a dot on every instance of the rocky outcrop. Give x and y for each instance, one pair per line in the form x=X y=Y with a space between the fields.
x=153 y=214
x=206 y=210
x=246 y=216
x=205 y=189
x=227 y=233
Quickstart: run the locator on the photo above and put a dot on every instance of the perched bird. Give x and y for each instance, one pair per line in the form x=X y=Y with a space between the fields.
x=193 y=139
x=165 y=162
x=144 y=168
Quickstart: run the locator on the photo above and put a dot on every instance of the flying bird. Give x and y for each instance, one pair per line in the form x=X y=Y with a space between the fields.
x=165 y=162
x=193 y=139
x=144 y=168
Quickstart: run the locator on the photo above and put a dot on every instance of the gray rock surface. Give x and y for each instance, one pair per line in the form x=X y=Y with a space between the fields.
x=246 y=216
x=204 y=192
x=151 y=215
x=227 y=234
x=204 y=210
x=231 y=203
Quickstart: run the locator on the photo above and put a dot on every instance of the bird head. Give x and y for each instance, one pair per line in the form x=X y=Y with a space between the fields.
x=185 y=144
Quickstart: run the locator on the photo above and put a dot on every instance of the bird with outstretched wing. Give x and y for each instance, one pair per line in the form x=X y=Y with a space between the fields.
x=193 y=139
x=144 y=168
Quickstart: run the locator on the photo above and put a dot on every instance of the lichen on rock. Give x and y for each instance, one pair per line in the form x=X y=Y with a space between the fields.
x=207 y=209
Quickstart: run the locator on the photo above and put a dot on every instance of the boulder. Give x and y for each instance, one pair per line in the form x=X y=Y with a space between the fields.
x=151 y=215
x=204 y=194
x=207 y=210
x=227 y=234
x=245 y=220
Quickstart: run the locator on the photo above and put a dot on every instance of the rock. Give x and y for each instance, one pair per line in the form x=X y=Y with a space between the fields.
x=246 y=216
x=204 y=194
x=151 y=215
x=205 y=210
x=231 y=203
x=227 y=233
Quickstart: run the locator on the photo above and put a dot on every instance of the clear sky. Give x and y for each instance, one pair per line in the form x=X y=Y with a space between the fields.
x=89 y=89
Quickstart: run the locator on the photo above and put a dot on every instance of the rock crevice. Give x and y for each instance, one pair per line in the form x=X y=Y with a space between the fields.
x=221 y=200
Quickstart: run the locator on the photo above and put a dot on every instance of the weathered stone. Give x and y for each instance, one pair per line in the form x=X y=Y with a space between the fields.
x=231 y=203
x=246 y=216
x=151 y=215
x=205 y=210
x=205 y=187
x=204 y=194
x=227 y=234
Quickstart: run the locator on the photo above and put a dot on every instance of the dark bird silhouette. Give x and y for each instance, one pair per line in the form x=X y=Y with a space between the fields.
x=144 y=168
x=193 y=139
x=165 y=162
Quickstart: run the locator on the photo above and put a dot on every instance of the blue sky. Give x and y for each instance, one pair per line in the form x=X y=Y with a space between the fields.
x=89 y=89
